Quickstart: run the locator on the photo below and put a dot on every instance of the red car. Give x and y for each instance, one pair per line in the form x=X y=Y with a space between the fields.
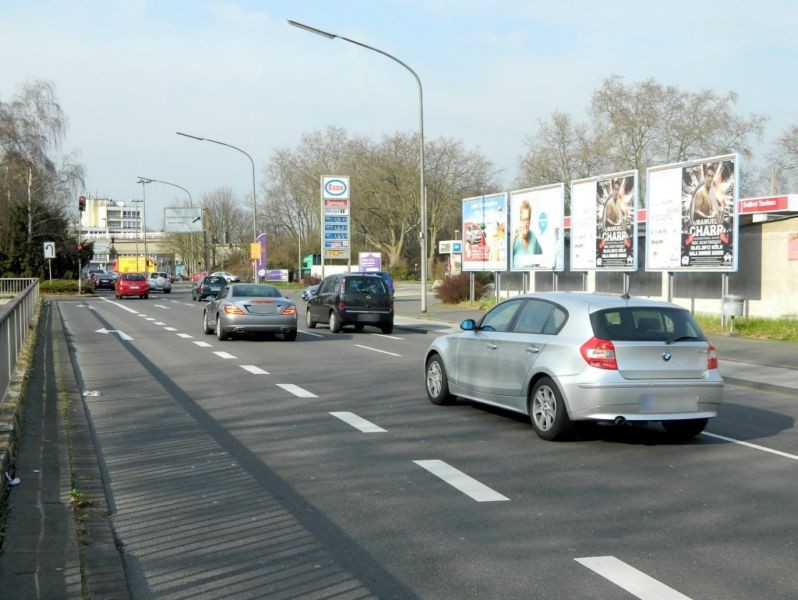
x=132 y=284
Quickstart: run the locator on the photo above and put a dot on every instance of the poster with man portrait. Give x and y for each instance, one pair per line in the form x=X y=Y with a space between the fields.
x=692 y=215
x=485 y=233
x=536 y=228
x=604 y=223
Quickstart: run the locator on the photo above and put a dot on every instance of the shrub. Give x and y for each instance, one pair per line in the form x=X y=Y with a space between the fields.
x=456 y=289
x=310 y=280
x=64 y=286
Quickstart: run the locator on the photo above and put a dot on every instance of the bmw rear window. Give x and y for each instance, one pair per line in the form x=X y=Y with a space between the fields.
x=645 y=323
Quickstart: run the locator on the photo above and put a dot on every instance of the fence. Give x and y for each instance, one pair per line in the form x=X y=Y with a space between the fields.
x=18 y=298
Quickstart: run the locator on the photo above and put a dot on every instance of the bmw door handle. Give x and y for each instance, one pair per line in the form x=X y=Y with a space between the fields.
x=533 y=349
x=492 y=346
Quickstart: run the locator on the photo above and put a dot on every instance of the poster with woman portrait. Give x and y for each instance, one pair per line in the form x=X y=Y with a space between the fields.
x=536 y=228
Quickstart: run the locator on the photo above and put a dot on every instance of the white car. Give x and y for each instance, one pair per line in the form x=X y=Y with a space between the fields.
x=228 y=277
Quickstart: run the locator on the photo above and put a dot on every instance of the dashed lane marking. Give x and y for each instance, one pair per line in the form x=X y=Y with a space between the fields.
x=378 y=350
x=159 y=323
x=630 y=579
x=170 y=328
x=358 y=422
x=296 y=390
x=385 y=335
x=225 y=355
x=185 y=336
x=203 y=344
x=254 y=370
x=462 y=482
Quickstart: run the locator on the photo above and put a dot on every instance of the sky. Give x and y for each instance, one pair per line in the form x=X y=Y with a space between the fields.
x=129 y=74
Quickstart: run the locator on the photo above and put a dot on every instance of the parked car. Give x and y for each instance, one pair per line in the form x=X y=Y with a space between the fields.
x=310 y=291
x=250 y=308
x=347 y=299
x=384 y=274
x=207 y=286
x=159 y=281
x=132 y=284
x=562 y=357
x=229 y=277
x=102 y=279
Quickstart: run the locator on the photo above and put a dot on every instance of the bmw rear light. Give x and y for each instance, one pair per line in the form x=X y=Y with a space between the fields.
x=599 y=353
x=712 y=357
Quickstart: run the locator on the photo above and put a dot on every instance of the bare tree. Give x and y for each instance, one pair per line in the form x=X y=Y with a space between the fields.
x=784 y=160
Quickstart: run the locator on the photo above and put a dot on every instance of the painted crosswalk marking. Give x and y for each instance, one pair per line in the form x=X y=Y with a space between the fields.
x=254 y=370
x=460 y=481
x=630 y=579
x=358 y=422
x=296 y=390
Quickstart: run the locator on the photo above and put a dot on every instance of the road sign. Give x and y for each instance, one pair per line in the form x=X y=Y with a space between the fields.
x=49 y=249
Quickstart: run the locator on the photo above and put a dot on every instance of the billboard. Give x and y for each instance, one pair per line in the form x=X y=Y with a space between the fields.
x=182 y=220
x=485 y=233
x=692 y=220
x=536 y=228
x=603 y=223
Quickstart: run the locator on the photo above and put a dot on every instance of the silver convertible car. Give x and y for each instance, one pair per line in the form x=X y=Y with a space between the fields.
x=250 y=308
x=561 y=357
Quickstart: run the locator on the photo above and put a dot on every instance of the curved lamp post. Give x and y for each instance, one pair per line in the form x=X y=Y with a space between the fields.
x=190 y=203
x=143 y=183
x=422 y=195
x=254 y=196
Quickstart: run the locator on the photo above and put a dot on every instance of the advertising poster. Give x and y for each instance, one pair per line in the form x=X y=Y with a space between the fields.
x=604 y=223
x=485 y=233
x=692 y=216
x=536 y=228
x=616 y=225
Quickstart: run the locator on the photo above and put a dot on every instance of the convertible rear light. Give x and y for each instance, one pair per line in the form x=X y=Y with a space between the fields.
x=233 y=310
x=712 y=357
x=289 y=310
x=599 y=353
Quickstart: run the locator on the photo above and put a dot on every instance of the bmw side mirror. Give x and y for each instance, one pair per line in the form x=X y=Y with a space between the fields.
x=468 y=325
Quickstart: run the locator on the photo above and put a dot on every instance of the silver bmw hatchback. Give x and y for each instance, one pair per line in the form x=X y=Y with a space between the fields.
x=561 y=357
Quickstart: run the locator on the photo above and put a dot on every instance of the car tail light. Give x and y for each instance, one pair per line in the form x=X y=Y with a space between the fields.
x=341 y=305
x=599 y=353
x=289 y=310
x=233 y=310
x=343 y=285
x=712 y=357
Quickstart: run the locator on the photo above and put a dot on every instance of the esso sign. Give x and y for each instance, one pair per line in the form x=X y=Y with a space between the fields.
x=335 y=187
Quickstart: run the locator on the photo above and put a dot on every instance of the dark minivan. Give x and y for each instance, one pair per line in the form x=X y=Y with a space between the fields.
x=347 y=299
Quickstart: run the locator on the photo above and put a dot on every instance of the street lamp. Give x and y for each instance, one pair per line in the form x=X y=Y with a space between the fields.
x=190 y=203
x=138 y=230
x=254 y=196
x=143 y=183
x=422 y=195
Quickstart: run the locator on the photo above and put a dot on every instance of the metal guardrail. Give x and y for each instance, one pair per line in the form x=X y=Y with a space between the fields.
x=20 y=296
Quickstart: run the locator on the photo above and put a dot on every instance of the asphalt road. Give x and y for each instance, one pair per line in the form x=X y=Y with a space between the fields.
x=318 y=469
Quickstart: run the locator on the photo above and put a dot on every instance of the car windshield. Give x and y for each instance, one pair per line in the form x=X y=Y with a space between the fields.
x=255 y=291
x=645 y=323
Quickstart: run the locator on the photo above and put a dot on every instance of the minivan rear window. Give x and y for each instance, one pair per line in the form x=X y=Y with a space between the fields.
x=366 y=285
x=645 y=323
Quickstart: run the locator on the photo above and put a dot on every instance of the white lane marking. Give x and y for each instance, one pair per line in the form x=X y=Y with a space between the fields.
x=309 y=333
x=161 y=306
x=170 y=328
x=150 y=319
x=224 y=355
x=203 y=344
x=358 y=422
x=750 y=445
x=296 y=390
x=120 y=334
x=185 y=336
x=633 y=581
x=142 y=315
x=377 y=350
x=459 y=480
x=159 y=323
x=130 y=310
x=175 y=301
x=254 y=370
x=188 y=304
x=385 y=335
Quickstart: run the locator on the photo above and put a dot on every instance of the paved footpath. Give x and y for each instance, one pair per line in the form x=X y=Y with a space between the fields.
x=45 y=557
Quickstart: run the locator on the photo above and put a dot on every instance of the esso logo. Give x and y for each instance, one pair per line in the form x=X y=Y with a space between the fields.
x=335 y=187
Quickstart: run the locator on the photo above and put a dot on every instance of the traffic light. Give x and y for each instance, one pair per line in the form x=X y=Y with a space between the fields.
x=81 y=203
x=80 y=250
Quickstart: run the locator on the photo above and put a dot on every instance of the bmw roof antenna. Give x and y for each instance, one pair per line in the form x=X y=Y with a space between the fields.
x=626 y=286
